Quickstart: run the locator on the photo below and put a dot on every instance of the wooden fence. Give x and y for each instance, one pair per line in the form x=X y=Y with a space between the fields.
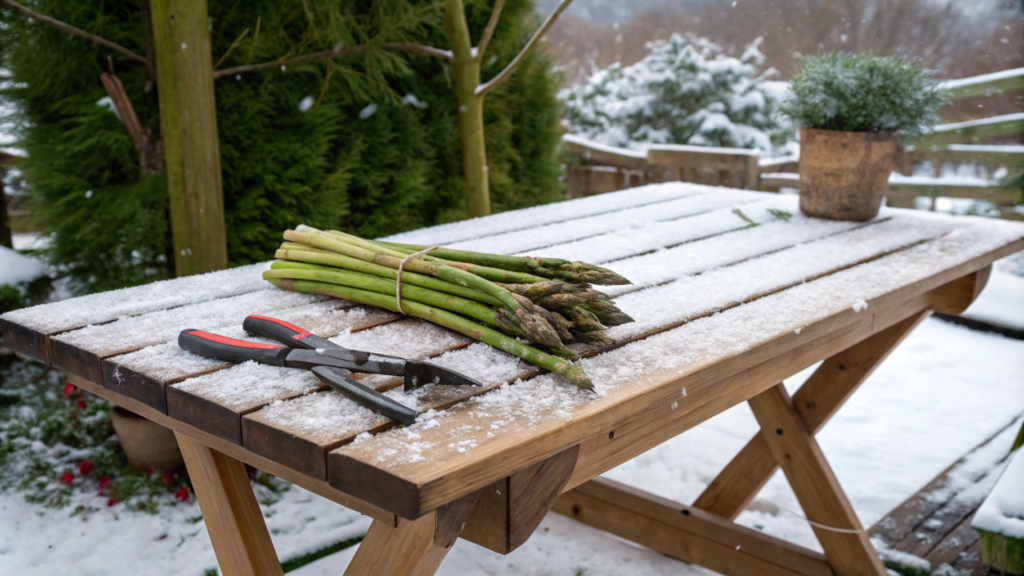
x=596 y=168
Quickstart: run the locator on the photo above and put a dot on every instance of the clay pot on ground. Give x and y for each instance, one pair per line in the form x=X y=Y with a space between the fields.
x=145 y=443
x=844 y=175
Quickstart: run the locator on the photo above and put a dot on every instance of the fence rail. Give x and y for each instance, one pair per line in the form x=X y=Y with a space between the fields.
x=606 y=168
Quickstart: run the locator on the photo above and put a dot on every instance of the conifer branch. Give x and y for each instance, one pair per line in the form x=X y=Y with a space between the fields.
x=492 y=23
x=231 y=48
x=504 y=74
x=75 y=31
x=334 y=53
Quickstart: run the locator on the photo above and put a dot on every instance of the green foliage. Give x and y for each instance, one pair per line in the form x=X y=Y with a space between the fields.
x=22 y=294
x=299 y=562
x=686 y=91
x=44 y=434
x=861 y=93
x=367 y=144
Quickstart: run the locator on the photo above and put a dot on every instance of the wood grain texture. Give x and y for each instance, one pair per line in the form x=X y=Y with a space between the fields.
x=509 y=510
x=25 y=341
x=955 y=297
x=815 y=485
x=686 y=533
x=458 y=474
x=188 y=122
x=232 y=515
x=913 y=511
x=412 y=547
x=315 y=486
x=817 y=400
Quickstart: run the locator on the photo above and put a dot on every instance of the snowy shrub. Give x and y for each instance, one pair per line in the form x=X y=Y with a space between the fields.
x=859 y=93
x=686 y=91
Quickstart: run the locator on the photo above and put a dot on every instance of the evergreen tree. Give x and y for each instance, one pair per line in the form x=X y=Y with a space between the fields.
x=686 y=91
x=367 y=143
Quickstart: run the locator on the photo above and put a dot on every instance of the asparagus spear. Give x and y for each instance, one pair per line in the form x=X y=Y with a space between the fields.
x=447 y=319
x=327 y=258
x=534 y=326
x=555 y=268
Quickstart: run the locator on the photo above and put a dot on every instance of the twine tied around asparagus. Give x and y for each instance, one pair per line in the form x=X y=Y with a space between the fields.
x=398 y=280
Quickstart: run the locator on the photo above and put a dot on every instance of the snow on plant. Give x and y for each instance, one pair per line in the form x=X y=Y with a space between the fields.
x=686 y=91
x=56 y=440
x=860 y=93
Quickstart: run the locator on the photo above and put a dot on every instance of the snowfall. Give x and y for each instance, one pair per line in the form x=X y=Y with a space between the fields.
x=945 y=390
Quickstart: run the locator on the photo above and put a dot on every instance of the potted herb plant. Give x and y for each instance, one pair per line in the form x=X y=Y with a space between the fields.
x=851 y=109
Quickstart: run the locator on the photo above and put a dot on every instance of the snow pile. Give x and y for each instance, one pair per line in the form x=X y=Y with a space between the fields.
x=1003 y=510
x=15 y=268
x=686 y=91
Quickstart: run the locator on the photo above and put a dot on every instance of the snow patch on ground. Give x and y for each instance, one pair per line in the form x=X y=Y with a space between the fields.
x=15 y=268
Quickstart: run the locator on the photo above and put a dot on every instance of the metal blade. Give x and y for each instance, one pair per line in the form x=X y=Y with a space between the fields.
x=364 y=395
x=346 y=359
x=422 y=373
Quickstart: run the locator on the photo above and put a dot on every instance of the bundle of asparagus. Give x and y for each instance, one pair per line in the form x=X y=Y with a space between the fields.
x=518 y=304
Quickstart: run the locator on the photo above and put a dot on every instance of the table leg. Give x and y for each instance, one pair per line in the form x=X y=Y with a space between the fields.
x=845 y=541
x=413 y=547
x=230 y=511
x=816 y=401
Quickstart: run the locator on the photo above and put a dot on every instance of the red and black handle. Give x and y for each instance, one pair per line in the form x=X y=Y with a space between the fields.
x=285 y=332
x=231 y=350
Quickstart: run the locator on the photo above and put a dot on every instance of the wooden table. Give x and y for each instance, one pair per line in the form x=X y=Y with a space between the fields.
x=734 y=291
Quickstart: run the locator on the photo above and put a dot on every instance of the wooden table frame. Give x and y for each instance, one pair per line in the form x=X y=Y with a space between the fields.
x=502 y=515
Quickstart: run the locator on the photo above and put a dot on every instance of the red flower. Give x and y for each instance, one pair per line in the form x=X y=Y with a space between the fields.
x=168 y=477
x=101 y=492
x=112 y=501
x=105 y=482
x=149 y=470
x=69 y=389
x=81 y=403
x=182 y=494
x=74 y=415
x=67 y=477
x=85 y=467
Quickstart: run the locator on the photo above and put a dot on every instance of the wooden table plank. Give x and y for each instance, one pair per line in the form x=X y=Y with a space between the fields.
x=80 y=351
x=566 y=211
x=704 y=296
x=216 y=402
x=28 y=329
x=727 y=341
x=637 y=240
x=679 y=210
x=318 y=487
x=146 y=373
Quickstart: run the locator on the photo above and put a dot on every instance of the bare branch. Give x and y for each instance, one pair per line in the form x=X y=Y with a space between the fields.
x=230 y=48
x=74 y=31
x=335 y=53
x=504 y=74
x=492 y=23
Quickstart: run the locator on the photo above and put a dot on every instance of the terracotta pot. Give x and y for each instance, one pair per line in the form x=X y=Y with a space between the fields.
x=844 y=175
x=145 y=443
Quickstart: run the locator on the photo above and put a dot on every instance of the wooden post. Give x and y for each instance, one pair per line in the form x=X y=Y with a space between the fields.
x=5 y=227
x=230 y=511
x=188 y=120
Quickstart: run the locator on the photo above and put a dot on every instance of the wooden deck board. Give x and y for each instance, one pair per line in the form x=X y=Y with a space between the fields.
x=934 y=524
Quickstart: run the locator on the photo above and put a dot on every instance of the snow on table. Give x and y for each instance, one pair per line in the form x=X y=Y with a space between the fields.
x=107 y=306
x=718 y=273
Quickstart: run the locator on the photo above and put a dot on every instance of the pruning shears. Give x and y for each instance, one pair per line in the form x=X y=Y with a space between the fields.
x=333 y=364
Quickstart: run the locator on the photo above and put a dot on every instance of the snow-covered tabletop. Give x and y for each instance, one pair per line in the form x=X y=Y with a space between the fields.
x=733 y=291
